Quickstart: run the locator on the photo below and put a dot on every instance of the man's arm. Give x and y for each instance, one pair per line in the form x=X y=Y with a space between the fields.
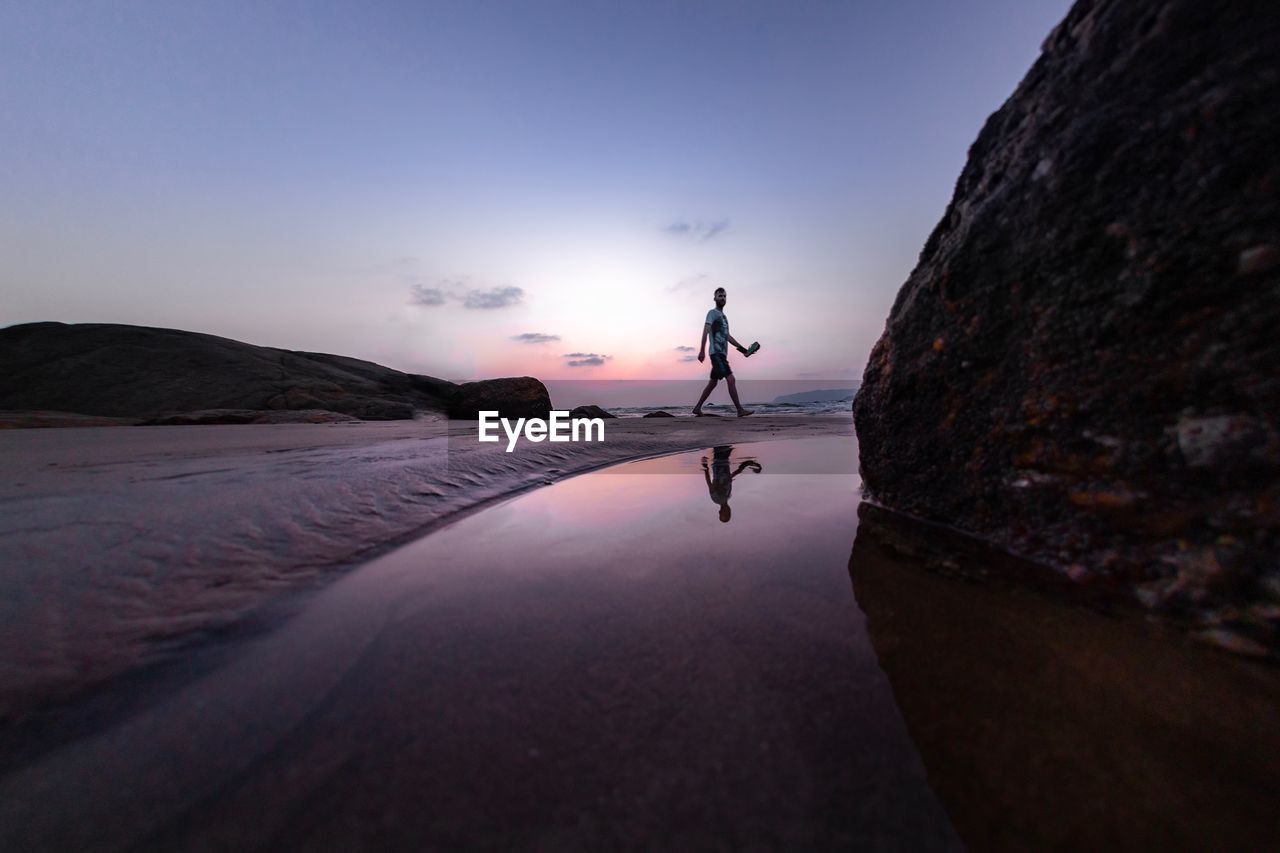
x=740 y=347
x=702 y=348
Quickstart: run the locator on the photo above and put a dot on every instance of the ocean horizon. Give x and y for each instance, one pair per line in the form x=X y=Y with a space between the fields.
x=820 y=407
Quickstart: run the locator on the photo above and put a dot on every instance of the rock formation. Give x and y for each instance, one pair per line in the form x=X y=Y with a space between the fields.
x=1084 y=366
x=658 y=414
x=251 y=416
x=590 y=412
x=174 y=376
x=518 y=397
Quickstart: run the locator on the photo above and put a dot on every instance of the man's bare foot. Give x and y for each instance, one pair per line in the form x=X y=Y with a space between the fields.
x=697 y=413
x=742 y=413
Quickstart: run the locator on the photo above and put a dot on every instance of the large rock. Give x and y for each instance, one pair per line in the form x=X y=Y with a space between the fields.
x=1084 y=366
x=137 y=371
x=251 y=416
x=178 y=377
x=590 y=412
x=517 y=397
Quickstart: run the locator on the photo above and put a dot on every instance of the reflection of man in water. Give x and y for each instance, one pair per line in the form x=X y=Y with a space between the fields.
x=720 y=480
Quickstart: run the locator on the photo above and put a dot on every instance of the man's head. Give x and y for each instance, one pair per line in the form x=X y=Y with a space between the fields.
x=720 y=297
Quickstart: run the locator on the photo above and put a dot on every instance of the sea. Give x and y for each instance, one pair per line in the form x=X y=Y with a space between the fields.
x=822 y=407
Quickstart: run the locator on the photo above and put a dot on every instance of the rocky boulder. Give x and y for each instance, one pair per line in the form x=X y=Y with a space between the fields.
x=137 y=371
x=658 y=414
x=518 y=397
x=251 y=416
x=172 y=376
x=590 y=412
x=1084 y=366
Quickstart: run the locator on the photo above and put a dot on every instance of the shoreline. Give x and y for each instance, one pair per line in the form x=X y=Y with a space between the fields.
x=125 y=547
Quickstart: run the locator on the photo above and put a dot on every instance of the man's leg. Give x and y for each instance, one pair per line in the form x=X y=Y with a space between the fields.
x=706 y=392
x=733 y=392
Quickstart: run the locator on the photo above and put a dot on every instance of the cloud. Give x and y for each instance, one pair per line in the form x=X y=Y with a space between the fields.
x=689 y=282
x=715 y=229
x=686 y=349
x=403 y=265
x=534 y=338
x=585 y=359
x=496 y=297
x=687 y=358
x=456 y=289
x=427 y=295
x=696 y=230
x=444 y=290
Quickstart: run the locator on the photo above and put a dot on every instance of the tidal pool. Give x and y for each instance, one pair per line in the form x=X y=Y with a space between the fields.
x=668 y=654
x=655 y=655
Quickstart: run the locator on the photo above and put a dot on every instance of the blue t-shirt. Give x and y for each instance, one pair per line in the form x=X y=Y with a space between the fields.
x=719 y=331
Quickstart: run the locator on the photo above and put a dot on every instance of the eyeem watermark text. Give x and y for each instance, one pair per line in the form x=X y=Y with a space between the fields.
x=560 y=427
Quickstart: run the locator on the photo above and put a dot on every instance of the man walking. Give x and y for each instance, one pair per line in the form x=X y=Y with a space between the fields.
x=717 y=326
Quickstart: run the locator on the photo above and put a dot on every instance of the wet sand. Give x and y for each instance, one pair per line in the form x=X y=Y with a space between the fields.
x=121 y=545
x=617 y=662
x=602 y=664
x=1047 y=725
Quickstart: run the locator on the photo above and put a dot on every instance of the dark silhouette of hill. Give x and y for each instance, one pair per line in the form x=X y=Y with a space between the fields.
x=116 y=370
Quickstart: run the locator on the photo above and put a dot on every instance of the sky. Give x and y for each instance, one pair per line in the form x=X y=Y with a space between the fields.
x=474 y=189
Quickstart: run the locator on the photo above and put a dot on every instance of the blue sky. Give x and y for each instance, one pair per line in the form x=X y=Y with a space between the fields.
x=474 y=189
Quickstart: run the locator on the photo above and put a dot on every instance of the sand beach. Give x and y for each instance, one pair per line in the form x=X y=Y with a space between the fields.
x=121 y=544
x=617 y=660
x=989 y=559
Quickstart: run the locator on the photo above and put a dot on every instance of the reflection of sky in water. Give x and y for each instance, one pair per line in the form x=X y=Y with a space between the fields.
x=722 y=666
x=778 y=489
x=820 y=455
x=601 y=662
